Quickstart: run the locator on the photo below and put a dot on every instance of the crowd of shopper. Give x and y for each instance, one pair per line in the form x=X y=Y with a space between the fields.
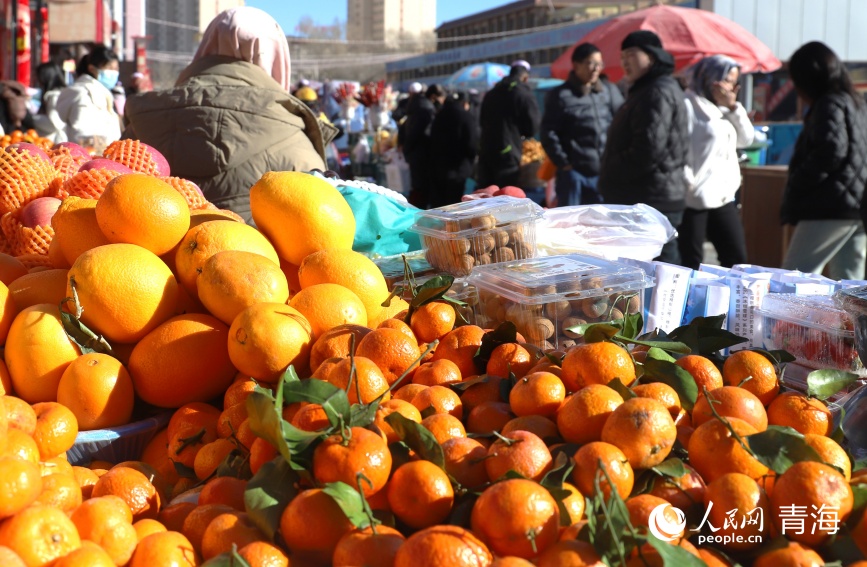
x=671 y=143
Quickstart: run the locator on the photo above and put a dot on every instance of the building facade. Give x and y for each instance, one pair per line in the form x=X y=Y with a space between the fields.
x=174 y=29
x=389 y=21
x=537 y=31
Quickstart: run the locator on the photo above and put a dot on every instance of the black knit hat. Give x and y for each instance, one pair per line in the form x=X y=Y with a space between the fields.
x=648 y=42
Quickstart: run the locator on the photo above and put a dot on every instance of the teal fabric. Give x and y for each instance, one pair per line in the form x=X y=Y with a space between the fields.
x=381 y=224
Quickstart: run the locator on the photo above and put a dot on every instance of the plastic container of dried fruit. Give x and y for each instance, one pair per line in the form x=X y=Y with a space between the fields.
x=460 y=237
x=812 y=328
x=546 y=296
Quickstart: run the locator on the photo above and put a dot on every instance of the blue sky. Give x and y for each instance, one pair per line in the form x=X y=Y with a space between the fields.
x=288 y=13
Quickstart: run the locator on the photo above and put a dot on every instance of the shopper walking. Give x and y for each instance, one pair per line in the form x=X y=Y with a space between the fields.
x=230 y=117
x=575 y=126
x=509 y=114
x=828 y=169
x=718 y=125
x=454 y=144
x=646 y=152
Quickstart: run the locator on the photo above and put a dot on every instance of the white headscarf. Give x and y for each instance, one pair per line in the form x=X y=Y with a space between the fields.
x=251 y=35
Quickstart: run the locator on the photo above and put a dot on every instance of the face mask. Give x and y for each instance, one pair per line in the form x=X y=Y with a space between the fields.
x=108 y=78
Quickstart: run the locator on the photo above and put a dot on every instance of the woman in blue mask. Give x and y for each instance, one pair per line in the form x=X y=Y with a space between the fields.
x=87 y=107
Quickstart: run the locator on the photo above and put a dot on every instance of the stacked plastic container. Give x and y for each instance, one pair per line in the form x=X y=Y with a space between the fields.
x=812 y=328
x=545 y=297
x=460 y=237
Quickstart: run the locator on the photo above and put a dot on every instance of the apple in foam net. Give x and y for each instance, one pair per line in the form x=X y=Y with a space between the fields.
x=74 y=149
x=32 y=149
x=38 y=212
x=162 y=164
x=102 y=163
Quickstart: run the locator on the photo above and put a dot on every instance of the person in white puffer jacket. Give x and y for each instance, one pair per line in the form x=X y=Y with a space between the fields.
x=87 y=106
x=718 y=126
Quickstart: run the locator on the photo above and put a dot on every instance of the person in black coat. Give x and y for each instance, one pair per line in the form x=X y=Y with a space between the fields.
x=416 y=143
x=575 y=126
x=646 y=152
x=828 y=169
x=454 y=143
x=509 y=114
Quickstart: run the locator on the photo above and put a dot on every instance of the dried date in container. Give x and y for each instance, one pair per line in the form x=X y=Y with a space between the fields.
x=460 y=237
x=548 y=297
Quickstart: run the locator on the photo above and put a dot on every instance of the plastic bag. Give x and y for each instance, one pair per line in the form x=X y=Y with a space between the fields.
x=361 y=151
x=382 y=217
x=609 y=231
x=397 y=172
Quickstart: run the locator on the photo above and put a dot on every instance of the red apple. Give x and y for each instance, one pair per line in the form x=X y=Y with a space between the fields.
x=38 y=212
x=163 y=169
x=32 y=149
x=102 y=163
x=74 y=149
x=511 y=192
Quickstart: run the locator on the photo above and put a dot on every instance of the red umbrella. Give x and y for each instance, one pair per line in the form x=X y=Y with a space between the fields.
x=689 y=34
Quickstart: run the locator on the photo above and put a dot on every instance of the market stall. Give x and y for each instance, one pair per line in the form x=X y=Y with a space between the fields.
x=340 y=386
x=369 y=131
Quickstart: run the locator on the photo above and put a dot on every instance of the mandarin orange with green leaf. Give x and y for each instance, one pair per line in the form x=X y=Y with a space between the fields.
x=420 y=494
x=340 y=458
x=516 y=517
x=519 y=451
x=460 y=346
x=367 y=547
x=432 y=321
x=596 y=363
x=586 y=474
x=804 y=415
x=443 y=545
x=509 y=358
x=312 y=525
x=715 y=449
x=643 y=429
x=753 y=372
x=730 y=401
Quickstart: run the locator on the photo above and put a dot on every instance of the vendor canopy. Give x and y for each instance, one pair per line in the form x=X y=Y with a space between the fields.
x=689 y=34
x=479 y=76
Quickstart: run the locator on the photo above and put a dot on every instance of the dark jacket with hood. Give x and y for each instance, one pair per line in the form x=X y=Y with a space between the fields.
x=828 y=168
x=419 y=119
x=509 y=114
x=454 y=142
x=575 y=124
x=647 y=146
x=224 y=125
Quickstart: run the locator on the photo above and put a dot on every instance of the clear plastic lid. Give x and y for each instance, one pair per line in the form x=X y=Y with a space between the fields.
x=469 y=217
x=553 y=278
x=816 y=311
x=853 y=300
x=392 y=267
